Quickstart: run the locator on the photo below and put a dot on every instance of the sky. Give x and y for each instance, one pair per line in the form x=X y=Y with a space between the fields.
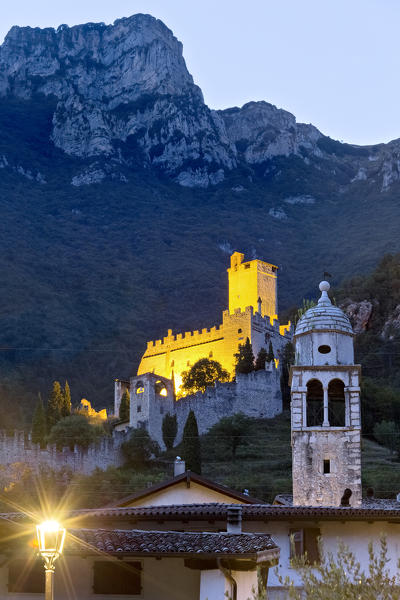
x=333 y=63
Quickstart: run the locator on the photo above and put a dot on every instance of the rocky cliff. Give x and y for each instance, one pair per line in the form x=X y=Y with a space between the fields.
x=123 y=99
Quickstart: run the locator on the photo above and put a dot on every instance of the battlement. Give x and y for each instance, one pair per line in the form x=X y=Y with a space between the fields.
x=188 y=338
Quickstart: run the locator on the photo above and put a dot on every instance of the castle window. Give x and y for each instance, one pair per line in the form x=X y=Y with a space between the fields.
x=239 y=330
x=139 y=387
x=139 y=408
x=188 y=363
x=117 y=577
x=336 y=403
x=160 y=388
x=305 y=542
x=210 y=355
x=327 y=466
x=247 y=266
x=315 y=403
x=172 y=363
x=324 y=349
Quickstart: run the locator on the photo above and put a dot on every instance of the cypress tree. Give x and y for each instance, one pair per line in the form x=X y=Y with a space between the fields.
x=245 y=358
x=260 y=360
x=169 y=430
x=270 y=355
x=39 y=424
x=66 y=401
x=124 y=407
x=191 y=444
x=54 y=405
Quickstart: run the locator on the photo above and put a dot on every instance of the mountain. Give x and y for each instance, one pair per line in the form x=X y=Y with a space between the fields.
x=122 y=195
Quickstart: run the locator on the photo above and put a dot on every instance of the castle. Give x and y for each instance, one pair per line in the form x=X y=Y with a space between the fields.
x=253 y=314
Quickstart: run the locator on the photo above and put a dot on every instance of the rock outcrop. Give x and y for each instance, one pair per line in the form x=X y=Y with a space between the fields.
x=359 y=313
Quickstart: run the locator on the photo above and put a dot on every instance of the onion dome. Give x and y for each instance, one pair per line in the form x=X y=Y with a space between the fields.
x=324 y=316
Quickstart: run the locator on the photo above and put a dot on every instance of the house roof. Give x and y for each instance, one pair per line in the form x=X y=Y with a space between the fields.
x=371 y=509
x=187 y=477
x=255 y=546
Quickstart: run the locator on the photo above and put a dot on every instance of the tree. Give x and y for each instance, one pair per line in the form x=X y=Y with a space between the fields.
x=191 y=448
x=387 y=433
x=244 y=358
x=53 y=413
x=270 y=355
x=230 y=433
x=286 y=362
x=339 y=576
x=139 y=449
x=39 y=424
x=75 y=429
x=124 y=407
x=66 y=401
x=261 y=360
x=169 y=430
x=203 y=374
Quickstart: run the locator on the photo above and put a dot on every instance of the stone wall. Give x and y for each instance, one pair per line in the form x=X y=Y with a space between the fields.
x=255 y=395
x=19 y=449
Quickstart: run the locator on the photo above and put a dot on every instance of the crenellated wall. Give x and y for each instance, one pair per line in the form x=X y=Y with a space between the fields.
x=18 y=448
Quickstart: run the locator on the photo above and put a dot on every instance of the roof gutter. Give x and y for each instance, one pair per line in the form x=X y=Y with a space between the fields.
x=228 y=575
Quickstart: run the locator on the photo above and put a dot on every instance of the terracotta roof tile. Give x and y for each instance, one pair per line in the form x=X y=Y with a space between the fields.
x=167 y=542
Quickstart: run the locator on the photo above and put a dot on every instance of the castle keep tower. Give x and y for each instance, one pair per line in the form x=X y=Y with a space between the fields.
x=251 y=284
x=325 y=409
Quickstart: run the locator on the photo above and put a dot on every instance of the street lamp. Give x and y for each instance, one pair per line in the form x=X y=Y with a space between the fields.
x=50 y=536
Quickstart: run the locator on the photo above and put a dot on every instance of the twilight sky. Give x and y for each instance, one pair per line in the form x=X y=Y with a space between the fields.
x=334 y=63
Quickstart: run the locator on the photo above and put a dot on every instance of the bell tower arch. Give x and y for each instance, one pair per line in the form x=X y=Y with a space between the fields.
x=325 y=409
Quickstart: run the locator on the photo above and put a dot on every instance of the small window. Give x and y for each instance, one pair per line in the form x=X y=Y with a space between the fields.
x=172 y=363
x=119 y=577
x=139 y=387
x=247 y=266
x=327 y=466
x=188 y=363
x=324 y=349
x=26 y=577
x=239 y=330
x=210 y=355
x=139 y=408
x=305 y=541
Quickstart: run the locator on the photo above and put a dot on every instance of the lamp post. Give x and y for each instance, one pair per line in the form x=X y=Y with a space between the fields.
x=50 y=536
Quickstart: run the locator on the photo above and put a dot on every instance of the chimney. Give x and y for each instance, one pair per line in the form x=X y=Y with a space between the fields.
x=179 y=466
x=234 y=519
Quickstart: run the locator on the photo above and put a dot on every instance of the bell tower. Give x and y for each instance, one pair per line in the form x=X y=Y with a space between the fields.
x=325 y=409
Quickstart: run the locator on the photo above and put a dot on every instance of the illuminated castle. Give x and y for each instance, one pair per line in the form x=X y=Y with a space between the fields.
x=252 y=313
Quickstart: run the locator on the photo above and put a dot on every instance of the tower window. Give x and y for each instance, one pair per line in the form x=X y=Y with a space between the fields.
x=239 y=330
x=327 y=466
x=139 y=408
x=140 y=387
x=315 y=403
x=336 y=403
x=324 y=349
x=247 y=266
x=210 y=355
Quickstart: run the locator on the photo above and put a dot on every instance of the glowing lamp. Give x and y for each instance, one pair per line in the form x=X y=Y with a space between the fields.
x=50 y=537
